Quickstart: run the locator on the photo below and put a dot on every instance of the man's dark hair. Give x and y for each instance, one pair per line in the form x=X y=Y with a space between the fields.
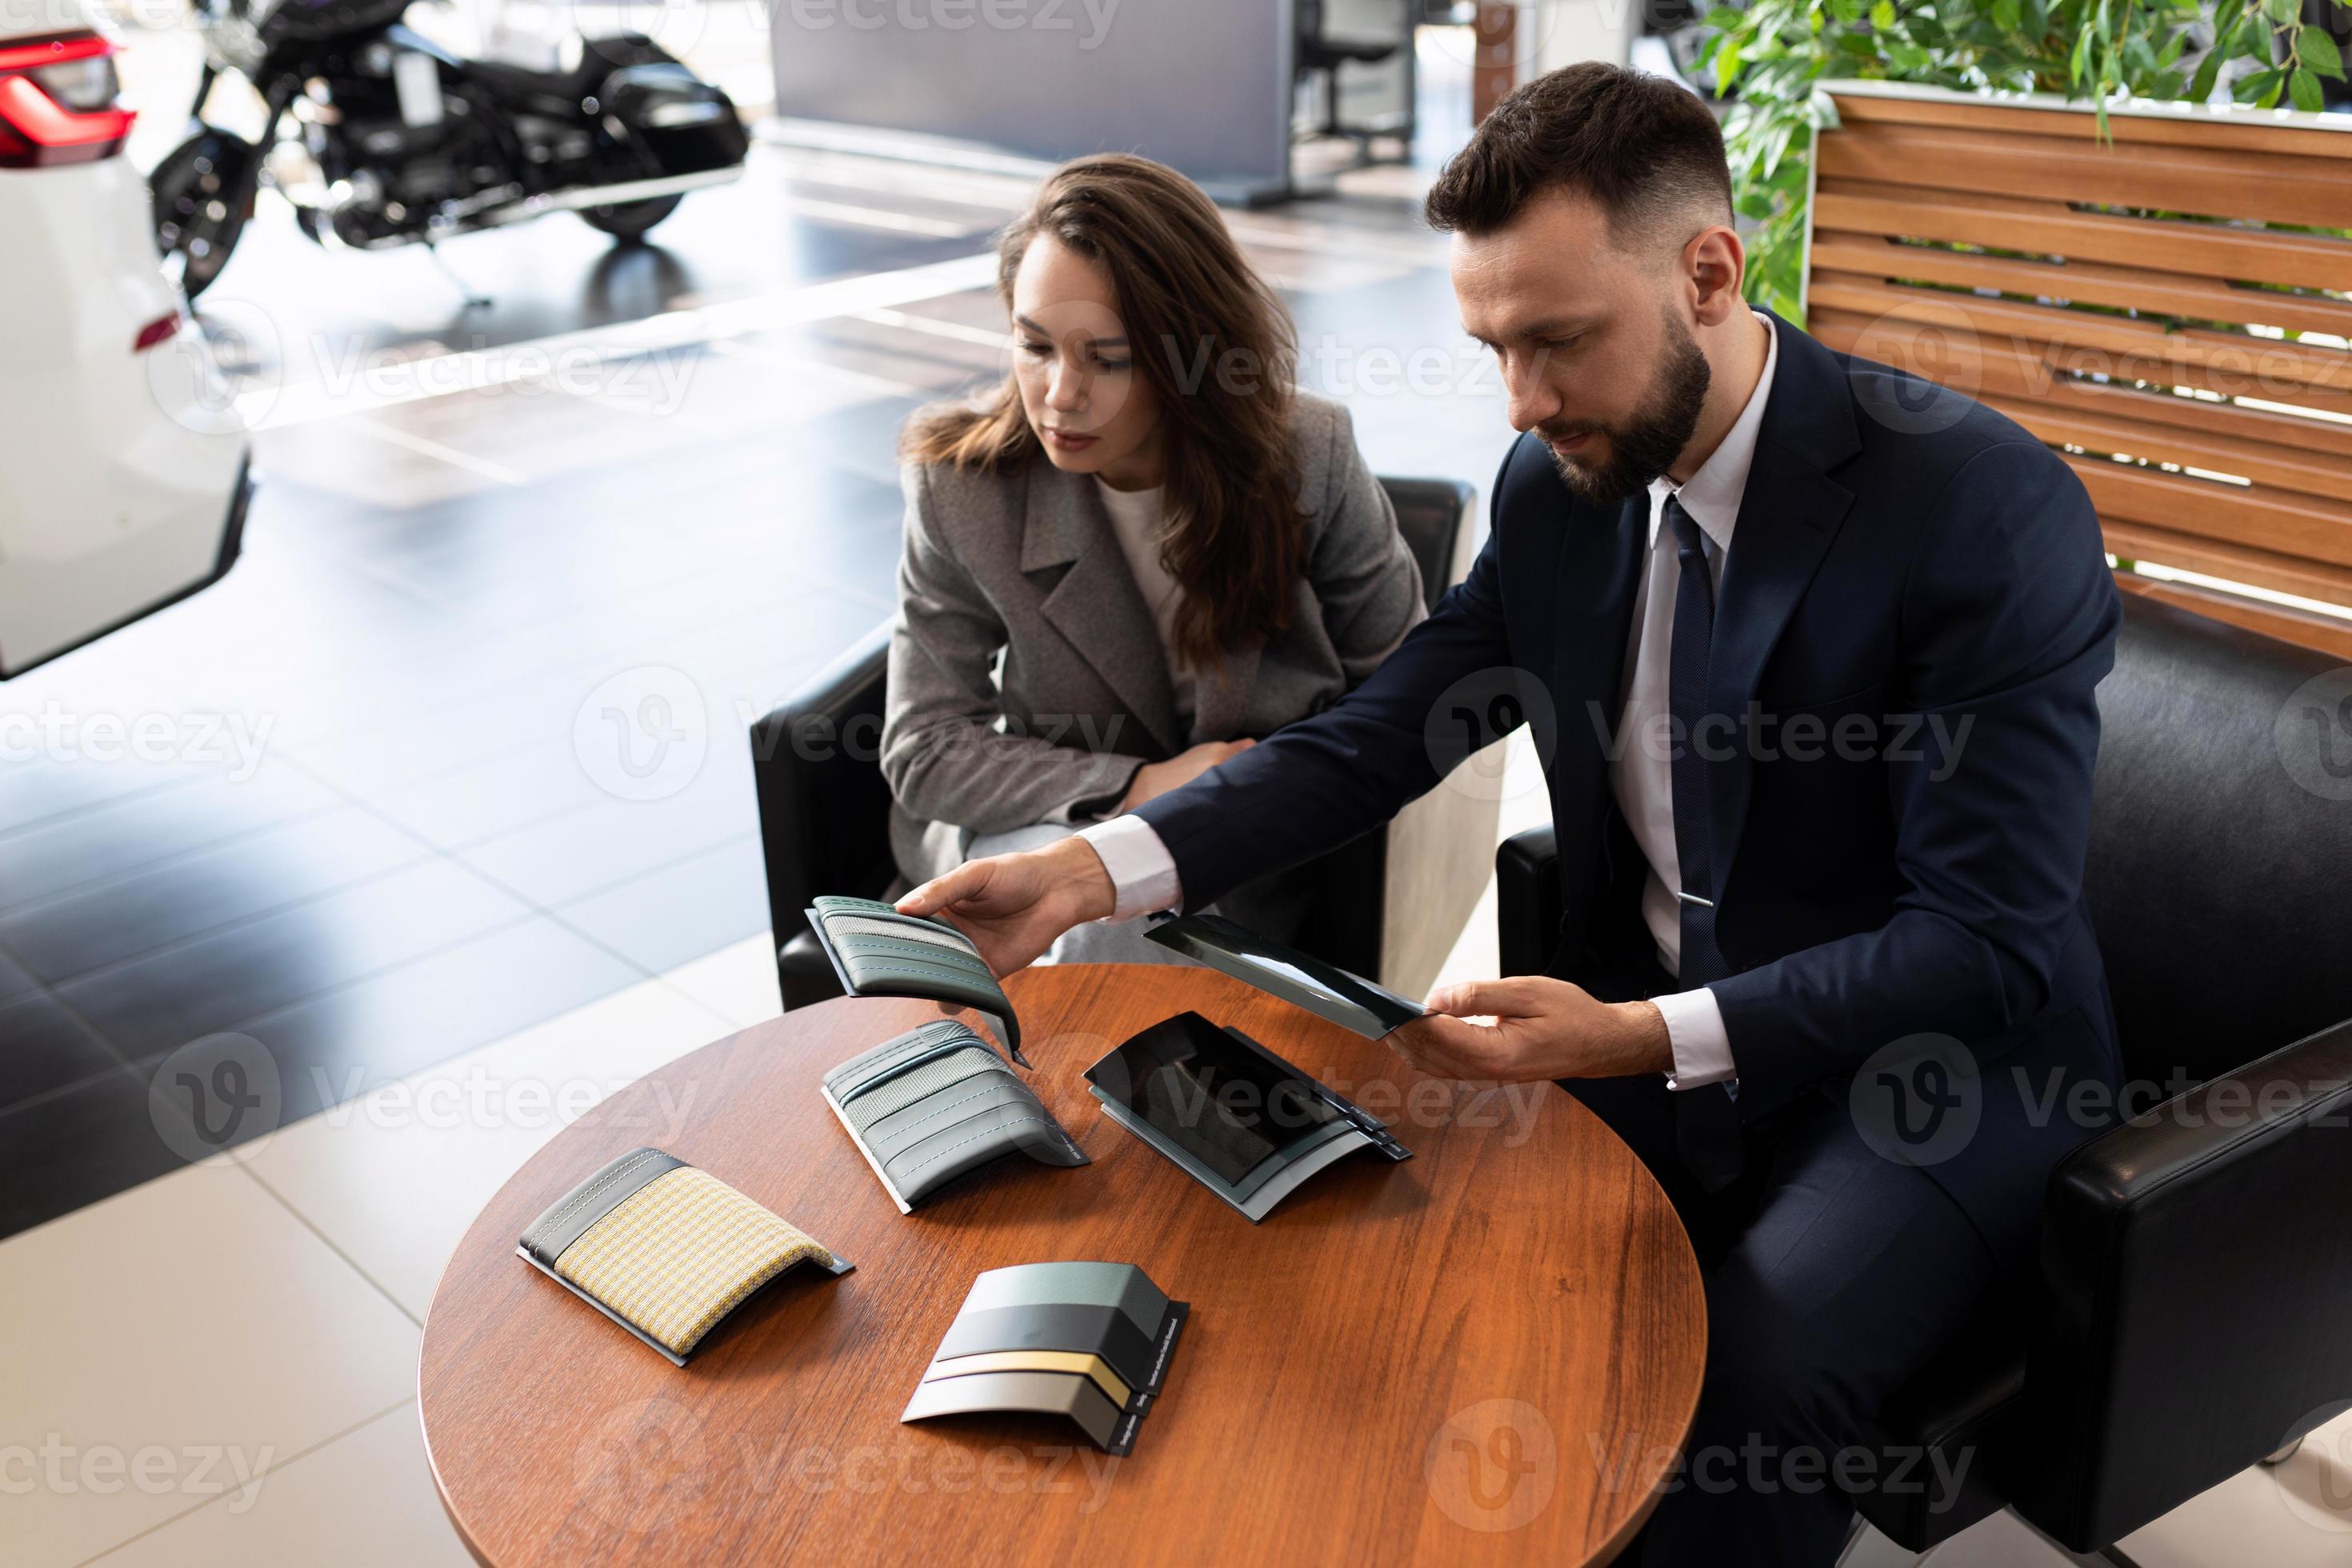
x=1644 y=148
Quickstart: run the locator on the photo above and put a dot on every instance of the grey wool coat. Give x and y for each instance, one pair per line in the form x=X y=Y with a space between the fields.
x=1023 y=566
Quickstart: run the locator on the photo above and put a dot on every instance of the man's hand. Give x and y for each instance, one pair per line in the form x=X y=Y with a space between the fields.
x=1014 y=906
x=1542 y=1028
x=1154 y=779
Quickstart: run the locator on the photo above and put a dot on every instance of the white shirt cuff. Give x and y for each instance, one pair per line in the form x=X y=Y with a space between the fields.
x=1142 y=873
x=1701 y=1045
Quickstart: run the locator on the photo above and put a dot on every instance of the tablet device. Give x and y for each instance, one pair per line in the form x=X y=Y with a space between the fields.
x=1324 y=989
x=1233 y=1116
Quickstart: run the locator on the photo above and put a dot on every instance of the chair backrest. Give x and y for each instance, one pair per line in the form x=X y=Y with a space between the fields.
x=2152 y=306
x=2220 y=875
x=1434 y=516
x=824 y=810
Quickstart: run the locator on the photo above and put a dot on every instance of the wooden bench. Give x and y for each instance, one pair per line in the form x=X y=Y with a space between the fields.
x=2158 y=306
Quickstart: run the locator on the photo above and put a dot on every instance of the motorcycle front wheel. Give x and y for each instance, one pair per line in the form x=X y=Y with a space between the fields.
x=202 y=194
x=629 y=220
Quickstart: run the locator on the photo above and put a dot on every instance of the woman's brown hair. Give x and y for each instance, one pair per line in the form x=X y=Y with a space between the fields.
x=1218 y=350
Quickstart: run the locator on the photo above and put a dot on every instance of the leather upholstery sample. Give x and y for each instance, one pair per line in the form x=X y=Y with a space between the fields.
x=936 y=1102
x=664 y=1250
x=877 y=952
x=1089 y=1341
x=1079 y=1361
x=1050 y=1393
x=1106 y=1332
x=1120 y=1285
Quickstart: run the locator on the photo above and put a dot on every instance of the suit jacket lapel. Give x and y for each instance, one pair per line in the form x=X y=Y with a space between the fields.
x=1788 y=514
x=1600 y=560
x=1096 y=606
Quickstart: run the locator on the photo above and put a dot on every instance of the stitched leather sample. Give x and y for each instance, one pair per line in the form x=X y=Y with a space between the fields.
x=666 y=1250
x=935 y=1102
x=1052 y=1394
x=1089 y=1341
x=877 y=952
x=1092 y=1366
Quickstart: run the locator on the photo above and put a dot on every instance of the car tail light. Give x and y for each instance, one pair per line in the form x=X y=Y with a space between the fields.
x=158 y=331
x=57 y=102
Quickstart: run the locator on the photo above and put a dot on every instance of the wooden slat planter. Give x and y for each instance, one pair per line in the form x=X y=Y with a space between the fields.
x=2154 y=306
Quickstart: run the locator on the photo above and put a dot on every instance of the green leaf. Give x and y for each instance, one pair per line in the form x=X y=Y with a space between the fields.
x=1724 y=16
x=2319 y=54
x=2081 y=53
x=2282 y=12
x=1882 y=16
x=1727 y=67
x=2250 y=86
x=2305 y=88
x=2201 y=85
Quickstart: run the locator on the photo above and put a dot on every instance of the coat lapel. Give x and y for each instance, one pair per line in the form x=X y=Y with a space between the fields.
x=1096 y=606
x=1601 y=559
x=1788 y=514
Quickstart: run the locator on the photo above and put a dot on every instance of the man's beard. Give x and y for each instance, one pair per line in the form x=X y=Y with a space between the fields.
x=1647 y=445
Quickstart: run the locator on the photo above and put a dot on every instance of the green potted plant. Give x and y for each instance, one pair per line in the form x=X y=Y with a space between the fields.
x=1777 y=53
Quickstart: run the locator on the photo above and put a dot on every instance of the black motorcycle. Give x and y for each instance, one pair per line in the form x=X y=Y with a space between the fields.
x=414 y=144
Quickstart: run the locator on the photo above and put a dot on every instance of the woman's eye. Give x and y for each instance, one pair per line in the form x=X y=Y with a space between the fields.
x=1036 y=350
x=1112 y=364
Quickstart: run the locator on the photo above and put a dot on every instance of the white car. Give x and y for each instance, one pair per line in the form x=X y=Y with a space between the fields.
x=123 y=470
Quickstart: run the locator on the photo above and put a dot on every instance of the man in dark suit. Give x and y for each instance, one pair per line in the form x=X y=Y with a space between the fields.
x=1807 y=648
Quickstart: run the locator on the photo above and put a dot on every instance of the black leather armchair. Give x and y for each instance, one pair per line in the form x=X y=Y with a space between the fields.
x=824 y=807
x=2198 y=1279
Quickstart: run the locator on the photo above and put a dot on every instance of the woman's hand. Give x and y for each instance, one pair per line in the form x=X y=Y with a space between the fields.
x=1158 y=778
x=1014 y=906
x=1542 y=1028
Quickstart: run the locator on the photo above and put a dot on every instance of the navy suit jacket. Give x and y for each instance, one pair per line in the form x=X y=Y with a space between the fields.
x=1908 y=564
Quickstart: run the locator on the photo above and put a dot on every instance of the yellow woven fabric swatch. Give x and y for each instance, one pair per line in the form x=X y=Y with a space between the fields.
x=681 y=1253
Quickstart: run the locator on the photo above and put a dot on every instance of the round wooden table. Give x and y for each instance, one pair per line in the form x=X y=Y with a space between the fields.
x=1489 y=1351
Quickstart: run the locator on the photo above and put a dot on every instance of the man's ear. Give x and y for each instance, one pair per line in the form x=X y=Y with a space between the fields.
x=1715 y=262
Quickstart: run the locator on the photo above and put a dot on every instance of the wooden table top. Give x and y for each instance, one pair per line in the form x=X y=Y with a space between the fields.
x=1490 y=1352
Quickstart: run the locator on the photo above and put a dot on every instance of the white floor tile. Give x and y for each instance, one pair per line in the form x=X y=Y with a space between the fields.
x=2297 y=1515
x=394 y=1177
x=166 y=1346
x=737 y=982
x=365 y=1501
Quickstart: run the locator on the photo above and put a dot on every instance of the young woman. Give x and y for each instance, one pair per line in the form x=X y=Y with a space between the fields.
x=1145 y=549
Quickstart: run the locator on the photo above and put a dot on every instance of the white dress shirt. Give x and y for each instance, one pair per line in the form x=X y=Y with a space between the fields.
x=1143 y=874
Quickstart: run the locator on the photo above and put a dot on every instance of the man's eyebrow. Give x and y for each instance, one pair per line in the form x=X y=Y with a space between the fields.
x=1029 y=326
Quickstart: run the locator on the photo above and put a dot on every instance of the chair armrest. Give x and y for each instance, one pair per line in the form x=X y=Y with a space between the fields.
x=824 y=806
x=1527 y=901
x=2199 y=1293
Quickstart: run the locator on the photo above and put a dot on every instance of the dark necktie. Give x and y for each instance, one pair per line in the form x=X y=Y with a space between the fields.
x=1707 y=1123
